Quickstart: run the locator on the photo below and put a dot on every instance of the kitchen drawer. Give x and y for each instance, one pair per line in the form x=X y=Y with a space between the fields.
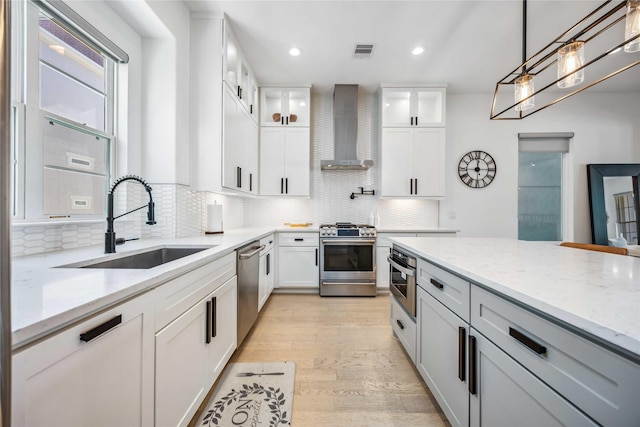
x=599 y=382
x=268 y=243
x=404 y=327
x=298 y=239
x=449 y=289
x=178 y=295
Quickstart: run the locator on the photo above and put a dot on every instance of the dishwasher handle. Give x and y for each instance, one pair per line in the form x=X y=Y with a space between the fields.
x=248 y=255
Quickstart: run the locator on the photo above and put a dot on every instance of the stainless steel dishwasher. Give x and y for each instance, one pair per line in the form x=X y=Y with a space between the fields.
x=248 y=258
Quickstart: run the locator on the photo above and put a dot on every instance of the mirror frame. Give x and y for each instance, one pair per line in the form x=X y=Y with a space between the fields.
x=595 y=175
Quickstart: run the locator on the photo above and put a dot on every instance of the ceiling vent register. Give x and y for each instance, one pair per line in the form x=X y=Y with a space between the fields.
x=363 y=51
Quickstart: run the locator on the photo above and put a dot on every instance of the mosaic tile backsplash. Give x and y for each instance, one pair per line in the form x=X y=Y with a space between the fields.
x=181 y=212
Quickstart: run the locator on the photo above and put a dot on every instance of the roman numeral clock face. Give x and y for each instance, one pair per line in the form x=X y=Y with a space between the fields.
x=477 y=169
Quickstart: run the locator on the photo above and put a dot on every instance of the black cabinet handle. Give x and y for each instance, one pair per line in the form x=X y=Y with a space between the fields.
x=415 y=186
x=437 y=284
x=286 y=185
x=472 y=364
x=411 y=121
x=250 y=182
x=282 y=120
x=287 y=119
x=251 y=109
x=214 y=311
x=207 y=338
x=411 y=185
x=298 y=239
x=540 y=349
x=281 y=185
x=238 y=177
x=316 y=256
x=101 y=329
x=462 y=335
x=239 y=92
x=268 y=264
x=416 y=120
x=400 y=323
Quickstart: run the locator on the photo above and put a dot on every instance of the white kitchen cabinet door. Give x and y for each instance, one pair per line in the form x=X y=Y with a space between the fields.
x=232 y=147
x=298 y=267
x=396 y=107
x=296 y=164
x=397 y=162
x=182 y=376
x=266 y=279
x=441 y=356
x=284 y=161
x=429 y=106
x=428 y=162
x=224 y=316
x=105 y=381
x=413 y=107
x=250 y=161
x=509 y=395
x=285 y=106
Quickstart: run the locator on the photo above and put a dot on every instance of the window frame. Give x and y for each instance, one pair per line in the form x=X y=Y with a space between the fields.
x=28 y=143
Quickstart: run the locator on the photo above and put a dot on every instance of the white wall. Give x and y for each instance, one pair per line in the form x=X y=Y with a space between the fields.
x=607 y=130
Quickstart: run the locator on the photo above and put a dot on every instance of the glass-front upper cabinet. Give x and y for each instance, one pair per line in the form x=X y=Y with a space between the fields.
x=238 y=74
x=285 y=106
x=417 y=107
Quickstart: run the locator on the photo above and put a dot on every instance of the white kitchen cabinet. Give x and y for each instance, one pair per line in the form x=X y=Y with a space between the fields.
x=413 y=107
x=266 y=281
x=224 y=125
x=282 y=106
x=413 y=162
x=240 y=147
x=506 y=394
x=195 y=338
x=98 y=372
x=284 y=161
x=404 y=327
x=298 y=259
x=238 y=74
x=441 y=356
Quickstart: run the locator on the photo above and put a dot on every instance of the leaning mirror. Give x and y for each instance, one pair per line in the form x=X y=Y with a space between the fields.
x=614 y=203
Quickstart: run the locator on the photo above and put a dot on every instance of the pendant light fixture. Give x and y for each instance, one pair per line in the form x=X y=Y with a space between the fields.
x=632 y=26
x=523 y=85
x=570 y=59
x=567 y=63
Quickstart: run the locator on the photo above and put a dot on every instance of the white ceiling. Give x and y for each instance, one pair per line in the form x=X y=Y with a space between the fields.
x=470 y=45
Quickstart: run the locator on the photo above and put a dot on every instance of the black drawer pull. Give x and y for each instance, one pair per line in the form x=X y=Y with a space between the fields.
x=299 y=239
x=316 y=256
x=101 y=329
x=472 y=364
x=214 y=312
x=207 y=337
x=462 y=334
x=400 y=323
x=540 y=349
x=437 y=284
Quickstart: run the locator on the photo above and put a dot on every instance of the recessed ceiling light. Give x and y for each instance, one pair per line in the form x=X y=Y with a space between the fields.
x=295 y=51
x=418 y=50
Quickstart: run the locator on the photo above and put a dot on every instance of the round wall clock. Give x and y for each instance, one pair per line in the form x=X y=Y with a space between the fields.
x=477 y=169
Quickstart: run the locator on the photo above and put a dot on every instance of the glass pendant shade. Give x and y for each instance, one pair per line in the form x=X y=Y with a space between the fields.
x=570 y=57
x=523 y=89
x=632 y=26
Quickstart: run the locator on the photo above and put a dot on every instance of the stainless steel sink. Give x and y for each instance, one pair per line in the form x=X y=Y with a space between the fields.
x=141 y=260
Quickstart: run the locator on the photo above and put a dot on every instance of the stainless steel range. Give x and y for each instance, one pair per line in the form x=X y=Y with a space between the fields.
x=347 y=260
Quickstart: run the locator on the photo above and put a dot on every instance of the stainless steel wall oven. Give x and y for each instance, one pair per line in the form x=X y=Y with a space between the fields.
x=347 y=260
x=402 y=283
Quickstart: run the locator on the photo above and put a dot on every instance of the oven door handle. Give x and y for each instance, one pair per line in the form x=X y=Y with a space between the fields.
x=407 y=271
x=347 y=242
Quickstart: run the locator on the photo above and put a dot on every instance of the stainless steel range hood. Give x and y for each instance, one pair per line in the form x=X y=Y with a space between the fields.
x=345 y=127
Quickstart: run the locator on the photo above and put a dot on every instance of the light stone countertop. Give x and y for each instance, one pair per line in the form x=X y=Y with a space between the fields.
x=436 y=230
x=45 y=299
x=593 y=293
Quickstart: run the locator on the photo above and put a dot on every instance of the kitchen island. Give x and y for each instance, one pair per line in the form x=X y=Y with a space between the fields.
x=549 y=330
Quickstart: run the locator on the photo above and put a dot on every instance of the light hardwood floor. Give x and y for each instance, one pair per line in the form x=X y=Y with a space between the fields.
x=350 y=370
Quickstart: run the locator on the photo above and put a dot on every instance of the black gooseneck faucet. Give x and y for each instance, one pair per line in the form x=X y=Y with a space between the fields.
x=110 y=235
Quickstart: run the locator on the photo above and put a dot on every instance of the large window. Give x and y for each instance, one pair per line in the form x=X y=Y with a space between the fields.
x=543 y=192
x=63 y=115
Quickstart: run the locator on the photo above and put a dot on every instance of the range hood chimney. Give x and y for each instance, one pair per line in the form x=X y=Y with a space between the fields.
x=345 y=127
